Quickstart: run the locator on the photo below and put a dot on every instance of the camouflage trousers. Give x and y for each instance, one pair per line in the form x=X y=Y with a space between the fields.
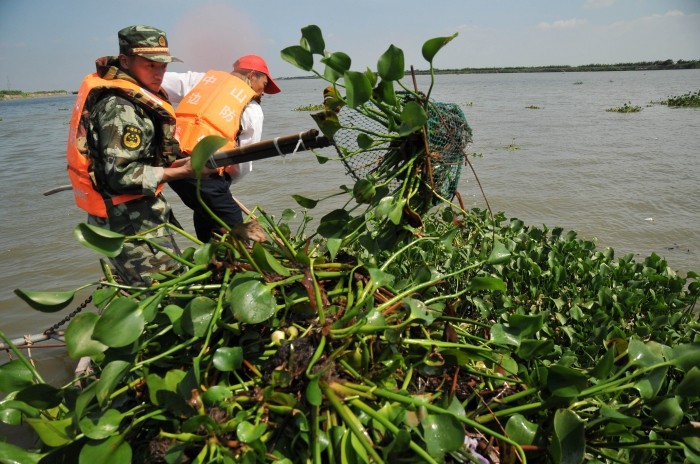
x=139 y=259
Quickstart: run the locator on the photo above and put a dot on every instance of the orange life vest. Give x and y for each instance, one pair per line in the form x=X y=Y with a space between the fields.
x=84 y=192
x=213 y=107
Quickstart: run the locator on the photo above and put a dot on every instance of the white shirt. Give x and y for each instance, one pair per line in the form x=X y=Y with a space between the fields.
x=177 y=85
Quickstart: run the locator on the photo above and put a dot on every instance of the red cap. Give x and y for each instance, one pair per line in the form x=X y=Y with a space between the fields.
x=256 y=63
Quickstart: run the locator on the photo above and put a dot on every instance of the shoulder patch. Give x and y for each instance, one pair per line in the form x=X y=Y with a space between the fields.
x=132 y=137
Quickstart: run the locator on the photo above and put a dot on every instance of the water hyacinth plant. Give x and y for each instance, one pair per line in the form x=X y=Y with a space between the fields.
x=400 y=330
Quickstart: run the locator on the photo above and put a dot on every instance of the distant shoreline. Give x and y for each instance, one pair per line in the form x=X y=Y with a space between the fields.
x=21 y=95
x=666 y=65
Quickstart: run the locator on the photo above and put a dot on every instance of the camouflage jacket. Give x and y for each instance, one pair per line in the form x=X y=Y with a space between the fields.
x=129 y=145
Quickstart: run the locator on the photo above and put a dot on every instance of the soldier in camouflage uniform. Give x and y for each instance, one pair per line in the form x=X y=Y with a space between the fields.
x=129 y=133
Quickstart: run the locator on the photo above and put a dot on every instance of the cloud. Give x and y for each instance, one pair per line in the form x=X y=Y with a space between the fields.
x=562 y=24
x=598 y=4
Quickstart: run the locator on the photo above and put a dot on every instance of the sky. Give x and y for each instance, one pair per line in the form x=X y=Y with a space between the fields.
x=51 y=45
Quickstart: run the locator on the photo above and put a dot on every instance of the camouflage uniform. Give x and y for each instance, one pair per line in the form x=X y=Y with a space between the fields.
x=129 y=145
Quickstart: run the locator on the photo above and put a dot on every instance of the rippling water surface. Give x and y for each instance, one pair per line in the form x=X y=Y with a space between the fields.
x=631 y=181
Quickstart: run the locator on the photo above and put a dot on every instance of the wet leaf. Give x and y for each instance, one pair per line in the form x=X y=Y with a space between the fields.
x=565 y=382
x=668 y=413
x=419 y=311
x=334 y=224
x=689 y=386
x=11 y=454
x=499 y=254
x=487 y=283
x=686 y=356
x=228 y=358
x=568 y=441
x=216 y=395
x=41 y=396
x=313 y=393
x=249 y=433
x=521 y=430
x=79 y=337
x=443 y=434
x=120 y=324
x=98 y=239
x=114 y=450
x=267 y=262
x=197 y=316
x=46 y=302
x=252 y=302
x=109 y=379
x=650 y=385
x=15 y=375
x=53 y=433
x=103 y=425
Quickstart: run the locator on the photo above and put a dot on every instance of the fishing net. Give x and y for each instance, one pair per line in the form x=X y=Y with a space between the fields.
x=448 y=136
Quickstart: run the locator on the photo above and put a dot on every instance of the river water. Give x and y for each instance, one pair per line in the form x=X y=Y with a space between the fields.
x=547 y=150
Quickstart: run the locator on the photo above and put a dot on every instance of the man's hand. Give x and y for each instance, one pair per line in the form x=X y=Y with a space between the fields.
x=182 y=168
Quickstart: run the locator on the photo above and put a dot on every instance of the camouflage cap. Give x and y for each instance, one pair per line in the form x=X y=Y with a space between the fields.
x=145 y=41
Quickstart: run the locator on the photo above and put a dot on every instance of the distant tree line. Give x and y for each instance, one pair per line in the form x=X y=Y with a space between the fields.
x=639 y=66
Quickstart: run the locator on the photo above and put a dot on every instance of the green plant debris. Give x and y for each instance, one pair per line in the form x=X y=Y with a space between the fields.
x=311 y=107
x=626 y=108
x=690 y=99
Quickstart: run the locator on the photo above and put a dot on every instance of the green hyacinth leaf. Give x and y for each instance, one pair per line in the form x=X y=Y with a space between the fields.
x=521 y=430
x=120 y=324
x=12 y=454
x=432 y=46
x=79 y=337
x=391 y=64
x=98 y=239
x=228 y=358
x=114 y=450
x=337 y=64
x=15 y=375
x=251 y=301
x=46 y=302
x=52 y=433
x=104 y=425
x=197 y=316
x=299 y=57
x=312 y=39
x=569 y=441
x=109 y=379
x=204 y=149
x=358 y=88
x=443 y=434
x=413 y=118
x=41 y=396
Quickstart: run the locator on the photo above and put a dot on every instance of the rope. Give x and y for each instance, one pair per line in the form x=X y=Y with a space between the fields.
x=277 y=146
x=300 y=142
